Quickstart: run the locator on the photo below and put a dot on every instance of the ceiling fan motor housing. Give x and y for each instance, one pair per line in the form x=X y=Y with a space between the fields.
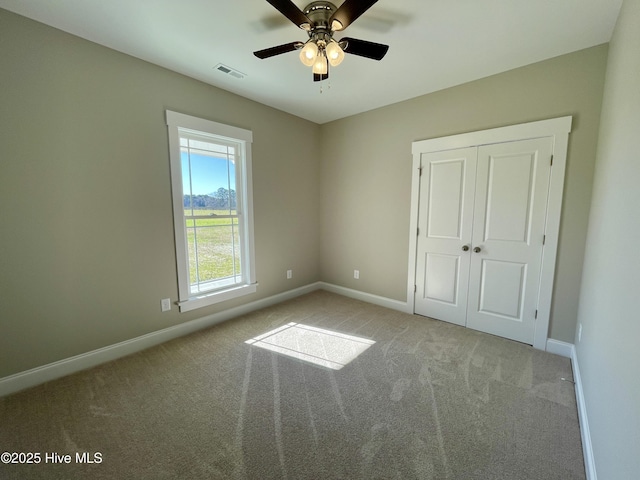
x=319 y=13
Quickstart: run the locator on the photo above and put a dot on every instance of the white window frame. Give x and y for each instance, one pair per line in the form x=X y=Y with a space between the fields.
x=175 y=122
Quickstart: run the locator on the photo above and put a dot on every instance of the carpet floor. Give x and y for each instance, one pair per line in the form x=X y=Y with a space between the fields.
x=327 y=387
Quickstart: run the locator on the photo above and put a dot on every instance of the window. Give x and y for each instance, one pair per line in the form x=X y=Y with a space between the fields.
x=212 y=210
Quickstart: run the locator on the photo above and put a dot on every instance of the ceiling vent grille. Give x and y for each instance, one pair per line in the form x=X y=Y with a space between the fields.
x=229 y=71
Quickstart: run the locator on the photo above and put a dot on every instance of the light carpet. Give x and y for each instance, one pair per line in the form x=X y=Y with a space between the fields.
x=422 y=399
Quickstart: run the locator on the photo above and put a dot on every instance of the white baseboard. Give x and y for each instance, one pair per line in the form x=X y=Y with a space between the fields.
x=568 y=350
x=563 y=349
x=587 y=447
x=67 y=366
x=367 y=297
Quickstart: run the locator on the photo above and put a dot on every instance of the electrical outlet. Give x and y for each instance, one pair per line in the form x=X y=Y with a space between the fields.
x=356 y=274
x=165 y=304
x=580 y=333
x=289 y=273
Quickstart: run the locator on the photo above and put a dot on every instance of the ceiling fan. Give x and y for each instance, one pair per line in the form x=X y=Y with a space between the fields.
x=321 y=20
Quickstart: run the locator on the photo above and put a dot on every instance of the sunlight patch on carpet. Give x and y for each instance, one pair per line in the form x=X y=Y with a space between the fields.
x=311 y=344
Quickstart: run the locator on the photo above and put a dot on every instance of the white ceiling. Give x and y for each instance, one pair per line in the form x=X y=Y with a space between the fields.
x=434 y=44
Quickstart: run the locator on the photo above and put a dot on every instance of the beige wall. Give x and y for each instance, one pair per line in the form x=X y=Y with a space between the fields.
x=608 y=354
x=86 y=241
x=366 y=171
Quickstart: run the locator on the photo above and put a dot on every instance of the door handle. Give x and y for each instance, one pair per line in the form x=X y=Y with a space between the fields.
x=477 y=249
x=465 y=248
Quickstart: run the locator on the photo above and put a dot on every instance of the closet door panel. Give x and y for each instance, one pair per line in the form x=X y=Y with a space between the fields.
x=508 y=228
x=445 y=219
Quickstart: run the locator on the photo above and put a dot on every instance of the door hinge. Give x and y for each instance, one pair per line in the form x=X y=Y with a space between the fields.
x=418 y=231
x=544 y=239
x=420 y=170
x=415 y=288
x=551 y=160
x=536 y=315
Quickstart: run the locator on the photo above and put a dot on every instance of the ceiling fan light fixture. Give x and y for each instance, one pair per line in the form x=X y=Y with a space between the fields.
x=309 y=53
x=335 y=54
x=320 y=66
x=336 y=25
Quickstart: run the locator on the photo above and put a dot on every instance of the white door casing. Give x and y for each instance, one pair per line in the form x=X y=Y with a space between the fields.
x=510 y=279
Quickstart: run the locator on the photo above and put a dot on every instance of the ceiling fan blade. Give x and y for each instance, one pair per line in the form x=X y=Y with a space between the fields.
x=347 y=13
x=363 y=48
x=292 y=12
x=273 y=51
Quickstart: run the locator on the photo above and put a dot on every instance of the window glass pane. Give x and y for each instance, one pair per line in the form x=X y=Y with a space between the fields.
x=205 y=175
x=213 y=252
x=213 y=243
x=211 y=148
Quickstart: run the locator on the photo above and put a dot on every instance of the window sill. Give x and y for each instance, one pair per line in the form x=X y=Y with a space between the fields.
x=216 y=297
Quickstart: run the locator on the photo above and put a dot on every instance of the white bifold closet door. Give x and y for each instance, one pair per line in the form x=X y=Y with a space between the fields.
x=482 y=214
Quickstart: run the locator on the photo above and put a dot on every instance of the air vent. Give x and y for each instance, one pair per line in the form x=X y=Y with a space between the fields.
x=229 y=71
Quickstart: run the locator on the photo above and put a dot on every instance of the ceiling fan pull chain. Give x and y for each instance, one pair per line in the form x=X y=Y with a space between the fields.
x=328 y=86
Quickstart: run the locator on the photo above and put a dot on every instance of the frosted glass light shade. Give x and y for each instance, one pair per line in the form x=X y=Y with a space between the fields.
x=309 y=53
x=320 y=66
x=335 y=55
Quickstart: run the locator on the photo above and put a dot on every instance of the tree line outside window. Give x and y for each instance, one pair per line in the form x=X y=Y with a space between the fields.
x=221 y=199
